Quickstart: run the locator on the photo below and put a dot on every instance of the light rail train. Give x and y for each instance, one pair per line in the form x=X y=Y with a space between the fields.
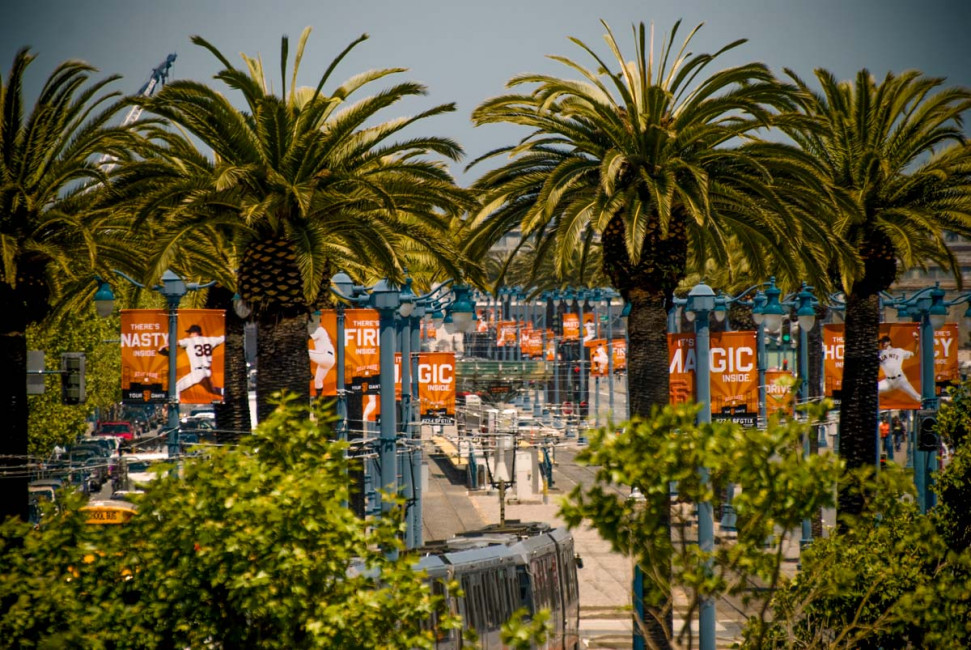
x=505 y=568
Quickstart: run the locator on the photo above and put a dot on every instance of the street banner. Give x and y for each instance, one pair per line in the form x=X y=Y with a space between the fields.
x=436 y=387
x=734 y=383
x=589 y=327
x=899 y=376
x=362 y=359
x=946 y=369
x=599 y=361
x=681 y=358
x=833 y=345
x=323 y=356
x=571 y=327
x=144 y=368
x=550 y=346
x=532 y=344
x=779 y=397
x=506 y=334
x=620 y=355
x=200 y=358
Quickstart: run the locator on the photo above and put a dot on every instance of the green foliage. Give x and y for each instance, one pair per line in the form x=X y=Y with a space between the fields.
x=521 y=633
x=953 y=483
x=50 y=422
x=889 y=581
x=248 y=547
x=778 y=487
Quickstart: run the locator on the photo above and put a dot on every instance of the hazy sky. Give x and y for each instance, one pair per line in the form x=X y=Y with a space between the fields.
x=465 y=51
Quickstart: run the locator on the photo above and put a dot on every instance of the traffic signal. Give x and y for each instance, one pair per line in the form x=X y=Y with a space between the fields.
x=927 y=438
x=785 y=337
x=72 y=378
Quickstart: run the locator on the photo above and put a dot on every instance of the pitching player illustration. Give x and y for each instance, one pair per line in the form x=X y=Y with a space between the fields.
x=322 y=355
x=891 y=362
x=199 y=350
x=599 y=361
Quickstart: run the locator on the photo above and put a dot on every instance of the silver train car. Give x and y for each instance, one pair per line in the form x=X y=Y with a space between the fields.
x=505 y=568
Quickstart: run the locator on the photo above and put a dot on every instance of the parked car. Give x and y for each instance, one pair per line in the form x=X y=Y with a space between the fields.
x=123 y=430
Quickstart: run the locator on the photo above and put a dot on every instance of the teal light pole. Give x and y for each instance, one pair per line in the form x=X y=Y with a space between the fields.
x=700 y=303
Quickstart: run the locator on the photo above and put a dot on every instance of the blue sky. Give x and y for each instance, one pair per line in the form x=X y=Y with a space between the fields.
x=465 y=51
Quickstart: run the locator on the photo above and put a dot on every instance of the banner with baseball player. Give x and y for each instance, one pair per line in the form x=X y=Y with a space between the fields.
x=946 y=369
x=323 y=356
x=899 y=377
x=436 y=387
x=201 y=362
x=144 y=369
x=778 y=392
x=599 y=360
x=532 y=343
x=200 y=358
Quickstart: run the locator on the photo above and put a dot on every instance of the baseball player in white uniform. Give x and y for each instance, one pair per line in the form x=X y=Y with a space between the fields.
x=199 y=350
x=323 y=355
x=891 y=362
x=600 y=360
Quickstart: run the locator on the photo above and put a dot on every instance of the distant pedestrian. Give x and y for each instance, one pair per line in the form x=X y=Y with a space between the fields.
x=897 y=429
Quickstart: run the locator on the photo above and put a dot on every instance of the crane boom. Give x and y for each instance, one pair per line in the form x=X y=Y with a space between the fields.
x=159 y=74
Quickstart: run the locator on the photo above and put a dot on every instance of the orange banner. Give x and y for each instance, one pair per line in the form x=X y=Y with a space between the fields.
x=599 y=360
x=946 y=369
x=144 y=365
x=620 y=355
x=323 y=356
x=778 y=392
x=532 y=343
x=571 y=327
x=682 y=362
x=550 y=354
x=899 y=377
x=506 y=334
x=734 y=383
x=200 y=357
x=899 y=386
x=436 y=387
x=833 y=350
x=734 y=377
x=362 y=371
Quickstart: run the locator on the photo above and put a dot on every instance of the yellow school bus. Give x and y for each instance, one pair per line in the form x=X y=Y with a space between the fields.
x=108 y=512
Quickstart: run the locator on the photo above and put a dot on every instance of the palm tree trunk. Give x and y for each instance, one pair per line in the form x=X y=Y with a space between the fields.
x=13 y=407
x=815 y=341
x=858 y=405
x=282 y=363
x=233 y=414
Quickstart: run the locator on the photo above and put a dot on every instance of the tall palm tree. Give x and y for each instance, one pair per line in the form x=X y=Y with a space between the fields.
x=46 y=158
x=645 y=161
x=309 y=183
x=895 y=154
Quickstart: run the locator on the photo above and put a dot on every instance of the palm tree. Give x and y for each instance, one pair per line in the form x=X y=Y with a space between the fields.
x=46 y=158
x=895 y=154
x=309 y=183
x=645 y=162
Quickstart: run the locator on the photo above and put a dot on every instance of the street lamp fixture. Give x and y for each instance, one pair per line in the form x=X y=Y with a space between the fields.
x=772 y=311
x=758 y=307
x=241 y=307
x=407 y=298
x=804 y=311
x=721 y=307
x=462 y=309
x=104 y=299
x=937 y=311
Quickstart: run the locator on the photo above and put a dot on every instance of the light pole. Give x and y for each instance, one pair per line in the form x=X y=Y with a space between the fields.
x=173 y=288
x=700 y=303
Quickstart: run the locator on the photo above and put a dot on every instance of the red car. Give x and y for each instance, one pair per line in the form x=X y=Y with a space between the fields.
x=121 y=430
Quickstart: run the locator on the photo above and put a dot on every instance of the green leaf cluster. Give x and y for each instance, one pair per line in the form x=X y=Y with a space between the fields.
x=777 y=487
x=245 y=547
